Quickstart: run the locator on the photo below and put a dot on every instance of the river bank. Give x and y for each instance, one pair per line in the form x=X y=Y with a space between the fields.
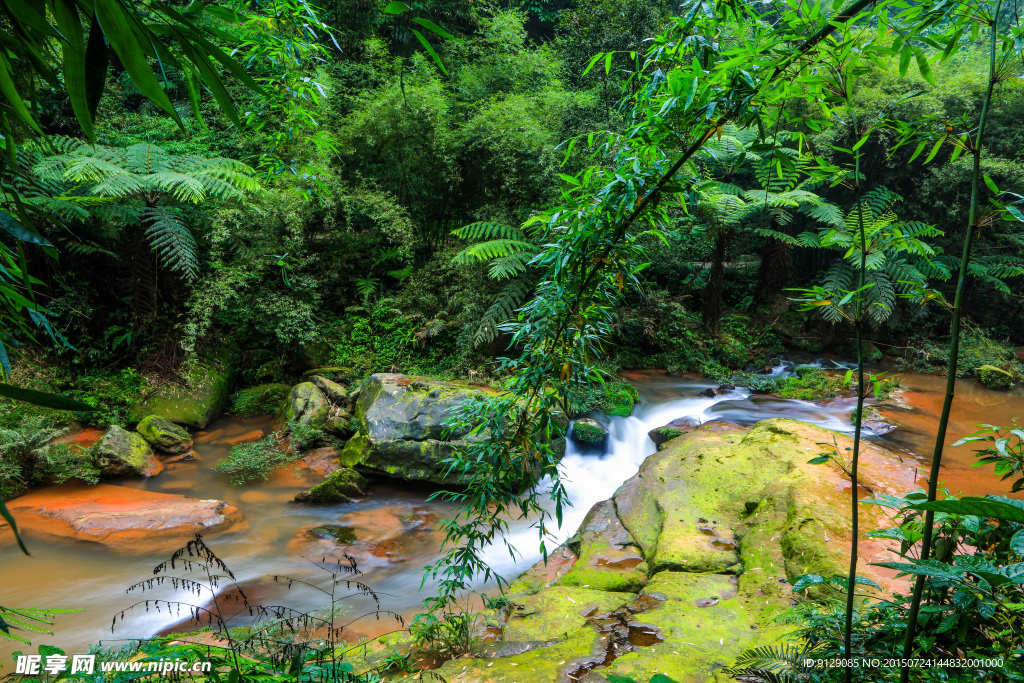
x=267 y=547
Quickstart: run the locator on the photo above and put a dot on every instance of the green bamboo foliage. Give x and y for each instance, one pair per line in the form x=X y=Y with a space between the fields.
x=954 y=346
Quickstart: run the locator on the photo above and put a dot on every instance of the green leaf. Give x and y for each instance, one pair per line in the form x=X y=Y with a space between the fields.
x=97 y=60
x=5 y=513
x=978 y=507
x=905 y=59
x=592 y=62
x=114 y=19
x=434 y=28
x=430 y=50
x=1015 y=212
x=11 y=225
x=73 y=62
x=860 y=143
x=935 y=150
x=14 y=100
x=395 y=8
x=1017 y=542
x=820 y=460
x=923 y=66
x=990 y=184
x=42 y=398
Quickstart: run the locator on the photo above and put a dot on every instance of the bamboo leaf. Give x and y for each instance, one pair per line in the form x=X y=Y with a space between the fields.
x=11 y=225
x=430 y=50
x=113 y=19
x=923 y=66
x=5 y=513
x=395 y=8
x=42 y=398
x=905 y=54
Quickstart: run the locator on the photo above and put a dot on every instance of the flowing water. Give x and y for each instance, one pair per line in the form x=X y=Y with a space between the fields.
x=90 y=578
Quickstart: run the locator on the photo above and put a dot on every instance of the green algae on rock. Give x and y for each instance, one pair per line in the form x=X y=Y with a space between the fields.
x=121 y=453
x=995 y=378
x=340 y=486
x=400 y=427
x=694 y=556
x=199 y=399
x=305 y=406
x=262 y=399
x=164 y=435
x=589 y=431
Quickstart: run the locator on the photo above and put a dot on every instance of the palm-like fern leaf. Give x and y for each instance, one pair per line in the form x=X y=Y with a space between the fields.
x=501 y=310
x=172 y=240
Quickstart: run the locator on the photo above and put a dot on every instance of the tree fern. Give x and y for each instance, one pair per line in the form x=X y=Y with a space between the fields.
x=502 y=309
x=508 y=252
x=114 y=181
x=172 y=239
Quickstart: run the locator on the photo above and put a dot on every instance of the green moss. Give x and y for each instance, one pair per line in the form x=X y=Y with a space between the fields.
x=613 y=398
x=164 y=435
x=263 y=399
x=335 y=532
x=201 y=398
x=558 y=612
x=588 y=431
x=813 y=384
x=340 y=486
x=994 y=378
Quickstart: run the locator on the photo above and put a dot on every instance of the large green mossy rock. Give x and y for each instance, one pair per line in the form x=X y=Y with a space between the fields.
x=693 y=558
x=164 y=435
x=121 y=453
x=196 y=401
x=305 y=406
x=400 y=427
x=589 y=432
x=340 y=486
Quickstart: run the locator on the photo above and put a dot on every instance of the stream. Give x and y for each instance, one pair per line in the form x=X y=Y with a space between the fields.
x=90 y=578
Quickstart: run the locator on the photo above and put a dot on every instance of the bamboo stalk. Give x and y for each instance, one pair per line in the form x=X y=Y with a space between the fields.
x=954 y=352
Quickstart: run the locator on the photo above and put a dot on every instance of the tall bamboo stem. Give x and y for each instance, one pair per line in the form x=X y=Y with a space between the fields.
x=954 y=352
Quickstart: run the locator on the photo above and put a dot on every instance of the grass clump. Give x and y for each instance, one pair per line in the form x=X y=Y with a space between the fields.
x=259 y=400
x=612 y=398
x=813 y=384
x=256 y=459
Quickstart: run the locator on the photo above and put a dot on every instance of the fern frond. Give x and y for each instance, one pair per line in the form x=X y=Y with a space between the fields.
x=502 y=309
x=486 y=230
x=172 y=240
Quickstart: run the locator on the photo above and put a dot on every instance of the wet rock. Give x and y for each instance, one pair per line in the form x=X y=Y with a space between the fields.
x=608 y=558
x=121 y=453
x=374 y=538
x=340 y=486
x=122 y=517
x=726 y=387
x=589 y=432
x=305 y=406
x=401 y=431
x=334 y=392
x=164 y=435
x=876 y=422
x=199 y=398
x=675 y=428
x=340 y=424
x=709 y=392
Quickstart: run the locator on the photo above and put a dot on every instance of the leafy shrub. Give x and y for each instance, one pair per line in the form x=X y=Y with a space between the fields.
x=759 y=384
x=28 y=457
x=305 y=437
x=263 y=399
x=994 y=378
x=613 y=398
x=814 y=384
x=255 y=460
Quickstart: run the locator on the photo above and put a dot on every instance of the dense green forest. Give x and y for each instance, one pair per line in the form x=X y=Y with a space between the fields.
x=205 y=205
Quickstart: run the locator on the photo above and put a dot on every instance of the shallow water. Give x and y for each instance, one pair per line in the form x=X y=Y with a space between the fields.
x=87 y=577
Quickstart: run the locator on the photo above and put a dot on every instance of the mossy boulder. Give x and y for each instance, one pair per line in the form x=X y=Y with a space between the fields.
x=400 y=427
x=164 y=435
x=334 y=392
x=305 y=406
x=121 y=453
x=608 y=559
x=994 y=378
x=589 y=432
x=673 y=430
x=197 y=400
x=340 y=486
x=694 y=556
